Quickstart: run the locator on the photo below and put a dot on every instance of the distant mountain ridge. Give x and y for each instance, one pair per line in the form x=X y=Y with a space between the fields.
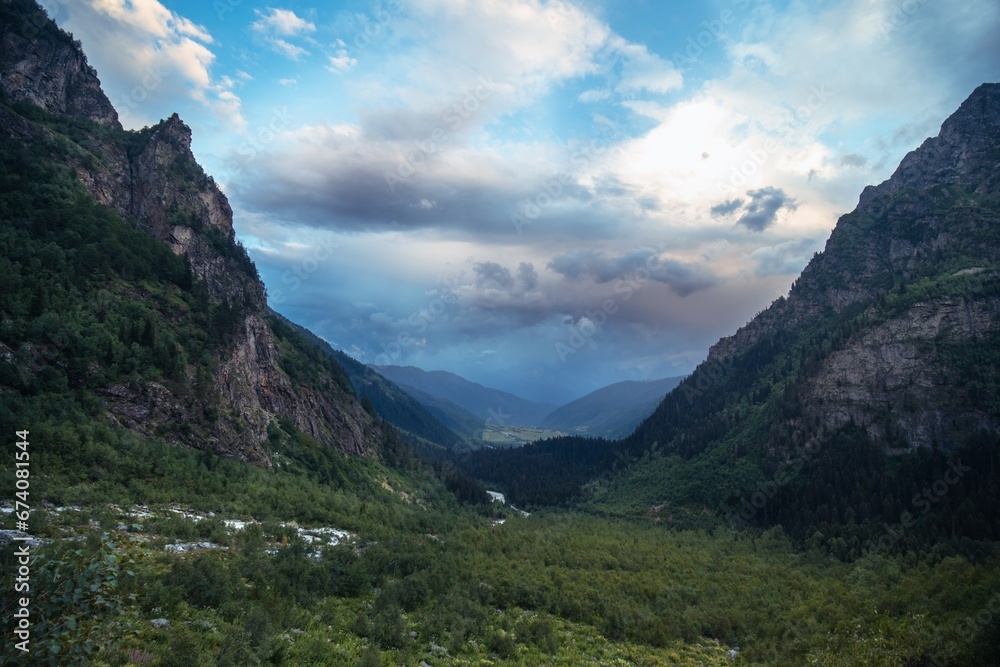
x=613 y=411
x=390 y=401
x=485 y=403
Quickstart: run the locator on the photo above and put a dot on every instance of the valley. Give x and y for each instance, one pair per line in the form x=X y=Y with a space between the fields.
x=214 y=485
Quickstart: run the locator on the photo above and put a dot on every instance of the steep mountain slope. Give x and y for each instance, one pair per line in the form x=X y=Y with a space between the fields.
x=881 y=319
x=613 y=411
x=491 y=405
x=453 y=416
x=839 y=405
x=183 y=344
x=390 y=402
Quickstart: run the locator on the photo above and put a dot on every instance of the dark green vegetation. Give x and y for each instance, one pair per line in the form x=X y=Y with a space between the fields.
x=865 y=400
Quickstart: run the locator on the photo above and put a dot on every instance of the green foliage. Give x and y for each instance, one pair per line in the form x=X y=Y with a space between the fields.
x=74 y=594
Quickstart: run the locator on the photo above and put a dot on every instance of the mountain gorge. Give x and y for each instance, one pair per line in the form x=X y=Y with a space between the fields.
x=483 y=403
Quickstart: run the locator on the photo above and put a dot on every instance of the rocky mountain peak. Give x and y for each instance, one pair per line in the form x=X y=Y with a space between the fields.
x=43 y=65
x=965 y=152
x=898 y=230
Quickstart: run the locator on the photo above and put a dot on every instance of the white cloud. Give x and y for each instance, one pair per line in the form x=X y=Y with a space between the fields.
x=282 y=22
x=645 y=71
x=788 y=258
x=590 y=96
x=285 y=48
x=275 y=25
x=341 y=62
x=523 y=45
x=169 y=59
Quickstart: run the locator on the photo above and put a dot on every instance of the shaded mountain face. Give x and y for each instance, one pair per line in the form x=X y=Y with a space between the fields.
x=887 y=344
x=38 y=64
x=235 y=371
x=910 y=279
x=485 y=403
x=391 y=403
x=613 y=411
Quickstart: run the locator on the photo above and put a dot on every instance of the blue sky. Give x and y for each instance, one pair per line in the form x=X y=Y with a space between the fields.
x=541 y=196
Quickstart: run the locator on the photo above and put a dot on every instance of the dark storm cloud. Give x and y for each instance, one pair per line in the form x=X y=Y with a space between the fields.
x=727 y=207
x=493 y=275
x=681 y=277
x=762 y=211
x=342 y=185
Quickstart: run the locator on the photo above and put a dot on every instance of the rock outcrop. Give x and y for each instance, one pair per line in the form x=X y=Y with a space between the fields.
x=41 y=64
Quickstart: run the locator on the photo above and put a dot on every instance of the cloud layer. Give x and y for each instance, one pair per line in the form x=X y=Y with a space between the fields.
x=497 y=177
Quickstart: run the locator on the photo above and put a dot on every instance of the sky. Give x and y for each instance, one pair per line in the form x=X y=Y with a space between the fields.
x=543 y=196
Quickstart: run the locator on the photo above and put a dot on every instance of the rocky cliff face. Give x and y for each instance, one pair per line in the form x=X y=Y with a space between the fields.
x=42 y=65
x=931 y=228
x=151 y=178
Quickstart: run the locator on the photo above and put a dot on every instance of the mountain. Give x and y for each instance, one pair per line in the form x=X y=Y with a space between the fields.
x=489 y=405
x=613 y=411
x=390 y=402
x=127 y=297
x=453 y=416
x=834 y=409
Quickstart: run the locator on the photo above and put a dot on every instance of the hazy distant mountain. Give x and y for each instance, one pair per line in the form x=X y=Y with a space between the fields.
x=451 y=415
x=392 y=403
x=613 y=411
x=489 y=405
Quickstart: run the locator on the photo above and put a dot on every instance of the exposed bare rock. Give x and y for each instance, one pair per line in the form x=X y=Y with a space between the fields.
x=43 y=65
